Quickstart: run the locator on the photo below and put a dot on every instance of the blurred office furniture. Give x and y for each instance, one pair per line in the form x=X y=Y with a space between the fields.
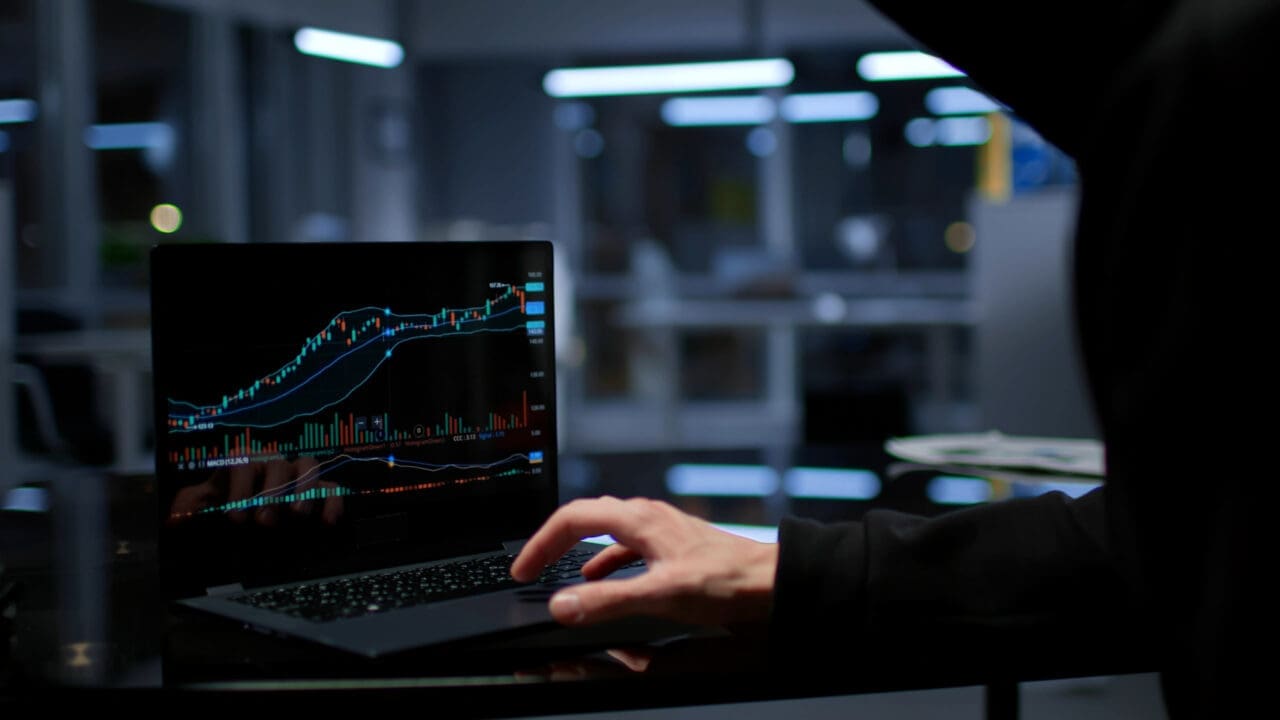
x=121 y=359
x=38 y=431
x=8 y=412
x=1027 y=363
x=661 y=314
x=71 y=388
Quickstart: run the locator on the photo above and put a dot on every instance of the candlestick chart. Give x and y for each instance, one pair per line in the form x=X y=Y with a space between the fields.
x=449 y=391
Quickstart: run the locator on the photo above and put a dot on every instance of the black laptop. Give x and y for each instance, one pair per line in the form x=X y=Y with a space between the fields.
x=353 y=440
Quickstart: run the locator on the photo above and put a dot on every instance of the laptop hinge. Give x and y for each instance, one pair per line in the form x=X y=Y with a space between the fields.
x=217 y=590
x=513 y=546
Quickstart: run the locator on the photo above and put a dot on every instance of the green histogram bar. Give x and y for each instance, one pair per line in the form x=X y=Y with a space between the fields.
x=250 y=503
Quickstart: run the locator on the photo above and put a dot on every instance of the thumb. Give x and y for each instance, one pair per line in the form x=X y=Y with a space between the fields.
x=601 y=600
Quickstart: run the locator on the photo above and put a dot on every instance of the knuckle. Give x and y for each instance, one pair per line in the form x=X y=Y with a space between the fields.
x=645 y=508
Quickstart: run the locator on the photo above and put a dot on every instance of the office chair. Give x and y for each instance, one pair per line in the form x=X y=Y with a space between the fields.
x=67 y=394
x=37 y=431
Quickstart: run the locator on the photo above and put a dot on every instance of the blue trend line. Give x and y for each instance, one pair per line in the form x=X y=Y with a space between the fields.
x=215 y=419
x=317 y=473
x=335 y=361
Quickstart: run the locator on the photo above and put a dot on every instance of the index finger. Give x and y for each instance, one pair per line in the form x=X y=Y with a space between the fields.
x=571 y=523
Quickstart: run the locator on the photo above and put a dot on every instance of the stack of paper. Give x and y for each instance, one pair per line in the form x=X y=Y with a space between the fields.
x=1069 y=464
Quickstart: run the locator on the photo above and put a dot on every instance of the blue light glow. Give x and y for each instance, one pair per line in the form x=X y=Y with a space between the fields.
x=359 y=49
x=959 y=101
x=956 y=490
x=829 y=107
x=831 y=483
x=949 y=132
x=17 y=110
x=1069 y=488
x=702 y=111
x=722 y=480
x=130 y=136
x=906 y=65
x=27 y=499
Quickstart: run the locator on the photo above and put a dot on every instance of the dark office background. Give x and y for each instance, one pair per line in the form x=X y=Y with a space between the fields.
x=730 y=291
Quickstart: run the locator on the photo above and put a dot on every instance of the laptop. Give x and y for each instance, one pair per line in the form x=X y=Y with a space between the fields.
x=354 y=439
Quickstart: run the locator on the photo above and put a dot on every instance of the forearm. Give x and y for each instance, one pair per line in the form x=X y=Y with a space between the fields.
x=1021 y=564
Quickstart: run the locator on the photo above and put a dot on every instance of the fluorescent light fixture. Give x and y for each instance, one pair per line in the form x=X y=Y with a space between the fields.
x=950 y=132
x=955 y=490
x=829 y=107
x=831 y=483
x=26 y=499
x=359 y=49
x=963 y=131
x=17 y=110
x=669 y=78
x=905 y=65
x=959 y=101
x=722 y=480
x=130 y=136
x=701 y=111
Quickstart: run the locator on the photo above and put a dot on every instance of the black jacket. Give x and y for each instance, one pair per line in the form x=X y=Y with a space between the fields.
x=1164 y=106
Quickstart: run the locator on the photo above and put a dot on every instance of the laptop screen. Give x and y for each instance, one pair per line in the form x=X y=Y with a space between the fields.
x=334 y=408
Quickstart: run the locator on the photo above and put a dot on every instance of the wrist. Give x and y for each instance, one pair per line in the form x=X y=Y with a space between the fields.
x=757 y=588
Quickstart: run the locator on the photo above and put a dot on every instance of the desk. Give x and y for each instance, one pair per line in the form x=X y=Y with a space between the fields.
x=123 y=358
x=684 y=673
x=219 y=666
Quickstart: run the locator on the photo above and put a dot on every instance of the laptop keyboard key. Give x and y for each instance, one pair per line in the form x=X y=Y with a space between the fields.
x=352 y=597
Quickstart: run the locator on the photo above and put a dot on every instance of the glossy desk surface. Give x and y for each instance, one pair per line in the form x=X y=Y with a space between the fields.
x=90 y=626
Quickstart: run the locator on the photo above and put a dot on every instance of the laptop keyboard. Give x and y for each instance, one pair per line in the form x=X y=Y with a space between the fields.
x=361 y=595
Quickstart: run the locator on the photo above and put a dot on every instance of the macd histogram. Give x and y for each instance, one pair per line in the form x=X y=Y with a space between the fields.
x=352 y=432
x=308 y=487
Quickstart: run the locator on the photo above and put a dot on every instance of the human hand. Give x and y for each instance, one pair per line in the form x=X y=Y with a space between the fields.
x=696 y=572
x=270 y=479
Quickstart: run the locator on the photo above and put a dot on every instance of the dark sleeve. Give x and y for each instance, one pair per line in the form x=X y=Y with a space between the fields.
x=1050 y=64
x=1016 y=565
